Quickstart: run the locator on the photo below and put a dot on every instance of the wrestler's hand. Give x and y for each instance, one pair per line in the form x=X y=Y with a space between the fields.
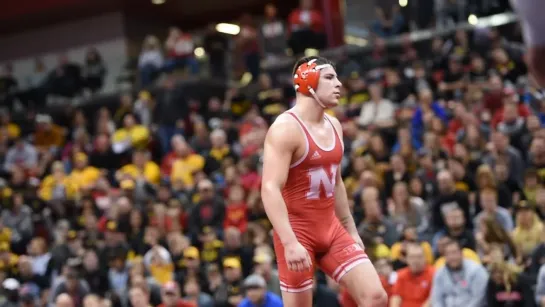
x=297 y=257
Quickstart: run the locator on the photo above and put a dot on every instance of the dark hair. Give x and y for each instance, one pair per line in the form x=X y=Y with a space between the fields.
x=319 y=61
x=452 y=241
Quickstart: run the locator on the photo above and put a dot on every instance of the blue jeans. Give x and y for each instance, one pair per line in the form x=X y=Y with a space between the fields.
x=397 y=26
x=165 y=135
x=148 y=73
x=190 y=62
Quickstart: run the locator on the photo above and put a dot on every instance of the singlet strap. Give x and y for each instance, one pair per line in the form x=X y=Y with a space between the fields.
x=337 y=135
x=301 y=124
x=306 y=135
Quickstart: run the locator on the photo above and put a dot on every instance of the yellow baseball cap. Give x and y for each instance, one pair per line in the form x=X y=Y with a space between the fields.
x=191 y=252
x=261 y=258
x=4 y=247
x=126 y=184
x=232 y=263
x=144 y=95
x=72 y=234
x=80 y=156
x=111 y=226
x=382 y=251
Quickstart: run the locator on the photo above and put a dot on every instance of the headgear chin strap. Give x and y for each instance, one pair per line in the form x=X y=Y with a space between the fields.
x=306 y=79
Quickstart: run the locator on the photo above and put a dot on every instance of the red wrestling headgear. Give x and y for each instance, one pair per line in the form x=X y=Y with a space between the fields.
x=307 y=76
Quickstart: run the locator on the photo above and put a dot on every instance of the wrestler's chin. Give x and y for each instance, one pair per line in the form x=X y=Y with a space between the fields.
x=332 y=103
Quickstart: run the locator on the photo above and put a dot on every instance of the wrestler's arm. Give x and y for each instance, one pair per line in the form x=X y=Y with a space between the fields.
x=279 y=148
x=342 y=209
x=532 y=21
x=533 y=26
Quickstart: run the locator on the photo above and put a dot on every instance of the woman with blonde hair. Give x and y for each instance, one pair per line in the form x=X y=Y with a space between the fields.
x=507 y=286
x=492 y=234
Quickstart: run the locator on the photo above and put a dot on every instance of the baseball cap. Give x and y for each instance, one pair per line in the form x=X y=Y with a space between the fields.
x=4 y=247
x=261 y=258
x=11 y=284
x=382 y=251
x=126 y=184
x=523 y=204
x=144 y=95
x=232 y=263
x=43 y=119
x=206 y=230
x=72 y=234
x=191 y=252
x=423 y=152
x=212 y=268
x=255 y=281
x=111 y=226
x=80 y=156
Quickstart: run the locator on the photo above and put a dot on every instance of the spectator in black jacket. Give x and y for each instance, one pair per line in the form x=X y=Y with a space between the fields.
x=209 y=211
x=170 y=113
x=66 y=80
x=449 y=198
x=507 y=287
x=94 y=70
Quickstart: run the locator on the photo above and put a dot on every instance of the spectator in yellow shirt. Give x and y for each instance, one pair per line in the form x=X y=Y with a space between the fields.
x=141 y=167
x=529 y=230
x=185 y=166
x=48 y=136
x=8 y=260
x=132 y=135
x=57 y=186
x=83 y=175
x=7 y=128
x=5 y=234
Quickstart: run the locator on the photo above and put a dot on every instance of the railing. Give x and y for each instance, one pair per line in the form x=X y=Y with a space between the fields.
x=203 y=89
x=359 y=45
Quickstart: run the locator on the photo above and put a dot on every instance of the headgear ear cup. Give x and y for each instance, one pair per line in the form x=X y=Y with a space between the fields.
x=307 y=76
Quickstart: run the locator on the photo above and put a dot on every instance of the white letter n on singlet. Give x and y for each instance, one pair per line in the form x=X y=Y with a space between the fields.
x=319 y=177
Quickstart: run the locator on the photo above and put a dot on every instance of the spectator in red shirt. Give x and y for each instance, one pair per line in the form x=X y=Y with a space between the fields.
x=413 y=285
x=306 y=26
x=509 y=97
x=236 y=211
x=180 y=48
x=460 y=118
x=179 y=149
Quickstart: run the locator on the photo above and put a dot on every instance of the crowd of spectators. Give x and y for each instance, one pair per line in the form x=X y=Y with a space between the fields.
x=53 y=85
x=155 y=201
x=269 y=39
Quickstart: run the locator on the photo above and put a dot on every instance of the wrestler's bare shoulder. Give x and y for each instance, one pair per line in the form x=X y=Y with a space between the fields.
x=284 y=129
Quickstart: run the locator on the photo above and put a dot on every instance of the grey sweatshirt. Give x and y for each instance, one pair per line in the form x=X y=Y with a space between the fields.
x=466 y=287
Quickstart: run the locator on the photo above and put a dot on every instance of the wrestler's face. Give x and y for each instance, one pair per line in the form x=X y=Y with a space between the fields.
x=329 y=87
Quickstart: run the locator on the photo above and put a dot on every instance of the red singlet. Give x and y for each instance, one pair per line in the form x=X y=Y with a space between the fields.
x=309 y=194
